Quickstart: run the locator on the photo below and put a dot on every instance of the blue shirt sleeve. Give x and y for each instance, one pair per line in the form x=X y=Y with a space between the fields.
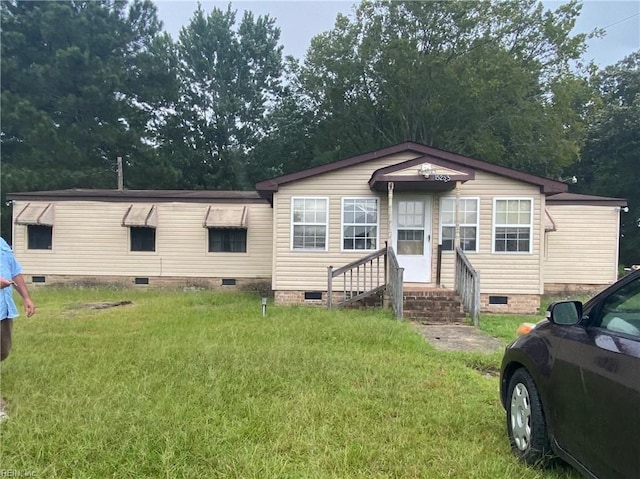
x=10 y=268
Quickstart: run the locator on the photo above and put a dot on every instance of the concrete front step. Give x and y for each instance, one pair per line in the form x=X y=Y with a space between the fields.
x=433 y=306
x=423 y=318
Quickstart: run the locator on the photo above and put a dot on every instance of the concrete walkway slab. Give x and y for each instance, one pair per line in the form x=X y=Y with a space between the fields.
x=459 y=338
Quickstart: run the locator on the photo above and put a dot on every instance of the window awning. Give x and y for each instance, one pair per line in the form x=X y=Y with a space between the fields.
x=141 y=216
x=231 y=217
x=36 y=215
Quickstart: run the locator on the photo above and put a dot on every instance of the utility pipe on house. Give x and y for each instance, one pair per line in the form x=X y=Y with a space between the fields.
x=456 y=237
x=390 y=208
x=120 y=175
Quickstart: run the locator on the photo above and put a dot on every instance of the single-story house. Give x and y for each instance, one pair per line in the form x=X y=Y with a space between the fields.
x=524 y=234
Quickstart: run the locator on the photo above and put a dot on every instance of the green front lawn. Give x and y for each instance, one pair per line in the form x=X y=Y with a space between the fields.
x=198 y=384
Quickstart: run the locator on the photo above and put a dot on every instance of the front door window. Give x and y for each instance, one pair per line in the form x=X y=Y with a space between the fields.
x=411 y=228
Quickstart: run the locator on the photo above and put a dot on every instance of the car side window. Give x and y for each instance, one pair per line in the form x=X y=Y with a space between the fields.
x=620 y=311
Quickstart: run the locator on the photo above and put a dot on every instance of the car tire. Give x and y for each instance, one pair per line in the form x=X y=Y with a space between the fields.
x=526 y=423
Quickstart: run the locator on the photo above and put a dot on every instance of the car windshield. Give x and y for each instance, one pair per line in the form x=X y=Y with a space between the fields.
x=620 y=312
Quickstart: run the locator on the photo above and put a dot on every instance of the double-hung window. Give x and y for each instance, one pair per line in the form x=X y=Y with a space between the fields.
x=359 y=223
x=309 y=218
x=468 y=223
x=512 y=225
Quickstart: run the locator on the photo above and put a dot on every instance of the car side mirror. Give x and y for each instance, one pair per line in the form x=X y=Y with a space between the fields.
x=567 y=313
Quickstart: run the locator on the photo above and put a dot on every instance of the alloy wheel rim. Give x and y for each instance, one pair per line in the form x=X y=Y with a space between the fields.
x=521 y=417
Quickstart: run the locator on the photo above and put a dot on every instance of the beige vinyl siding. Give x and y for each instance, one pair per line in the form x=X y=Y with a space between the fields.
x=302 y=270
x=307 y=270
x=89 y=239
x=576 y=239
x=500 y=273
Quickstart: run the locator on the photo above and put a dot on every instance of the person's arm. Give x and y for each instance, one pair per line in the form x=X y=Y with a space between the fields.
x=21 y=287
x=5 y=283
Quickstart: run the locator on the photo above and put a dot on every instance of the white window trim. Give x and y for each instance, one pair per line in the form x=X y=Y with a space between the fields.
x=493 y=225
x=476 y=224
x=292 y=224
x=342 y=223
x=441 y=224
x=455 y=213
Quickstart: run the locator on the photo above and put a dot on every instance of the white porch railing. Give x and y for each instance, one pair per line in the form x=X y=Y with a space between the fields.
x=365 y=277
x=380 y=270
x=357 y=280
x=395 y=283
x=468 y=286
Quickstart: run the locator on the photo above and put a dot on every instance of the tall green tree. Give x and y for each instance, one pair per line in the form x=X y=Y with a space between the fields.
x=611 y=157
x=488 y=79
x=229 y=76
x=82 y=83
x=290 y=129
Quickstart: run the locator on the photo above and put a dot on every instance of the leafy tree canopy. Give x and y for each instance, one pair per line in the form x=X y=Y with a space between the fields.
x=611 y=157
x=229 y=76
x=487 y=79
x=82 y=82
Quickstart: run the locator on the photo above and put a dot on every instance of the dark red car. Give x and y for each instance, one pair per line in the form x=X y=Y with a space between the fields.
x=571 y=387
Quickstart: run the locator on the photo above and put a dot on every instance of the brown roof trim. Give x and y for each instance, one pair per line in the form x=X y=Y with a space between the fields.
x=425 y=159
x=416 y=184
x=266 y=188
x=588 y=200
x=547 y=185
x=156 y=196
x=383 y=176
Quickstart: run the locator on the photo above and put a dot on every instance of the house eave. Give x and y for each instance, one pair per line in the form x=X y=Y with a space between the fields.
x=157 y=196
x=424 y=153
x=416 y=183
x=270 y=186
x=585 y=200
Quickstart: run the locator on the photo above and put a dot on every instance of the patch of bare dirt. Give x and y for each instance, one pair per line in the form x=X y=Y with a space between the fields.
x=459 y=338
x=103 y=305
x=73 y=309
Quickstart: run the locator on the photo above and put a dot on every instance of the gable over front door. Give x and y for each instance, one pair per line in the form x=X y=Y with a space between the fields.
x=411 y=236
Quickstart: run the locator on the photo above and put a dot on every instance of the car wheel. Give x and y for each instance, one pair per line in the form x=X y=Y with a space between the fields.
x=525 y=419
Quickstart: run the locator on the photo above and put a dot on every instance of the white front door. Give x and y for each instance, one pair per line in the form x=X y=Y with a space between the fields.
x=412 y=236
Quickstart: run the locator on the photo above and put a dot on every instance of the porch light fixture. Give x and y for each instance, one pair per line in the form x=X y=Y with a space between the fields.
x=426 y=170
